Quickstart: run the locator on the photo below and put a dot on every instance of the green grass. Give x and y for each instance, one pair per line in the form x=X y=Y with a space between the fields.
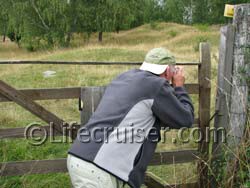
x=176 y=173
x=21 y=149
x=129 y=45
x=101 y=54
x=59 y=180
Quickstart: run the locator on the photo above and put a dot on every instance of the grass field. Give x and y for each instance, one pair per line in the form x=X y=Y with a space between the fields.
x=129 y=45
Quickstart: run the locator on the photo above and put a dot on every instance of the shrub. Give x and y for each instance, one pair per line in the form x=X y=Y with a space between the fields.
x=202 y=27
x=30 y=47
x=172 y=33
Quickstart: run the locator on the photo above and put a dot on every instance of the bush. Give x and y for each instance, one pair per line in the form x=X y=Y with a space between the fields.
x=202 y=27
x=14 y=37
x=30 y=47
x=172 y=33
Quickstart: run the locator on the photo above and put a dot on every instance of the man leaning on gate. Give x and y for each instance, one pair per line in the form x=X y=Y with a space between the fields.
x=135 y=105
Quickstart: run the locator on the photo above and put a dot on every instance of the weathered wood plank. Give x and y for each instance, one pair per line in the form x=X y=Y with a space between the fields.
x=204 y=76
x=15 y=132
x=239 y=98
x=91 y=97
x=24 y=101
x=240 y=93
x=33 y=167
x=47 y=94
x=223 y=92
x=19 y=132
x=59 y=165
x=170 y=157
x=153 y=181
x=16 y=62
x=223 y=83
x=186 y=185
x=71 y=93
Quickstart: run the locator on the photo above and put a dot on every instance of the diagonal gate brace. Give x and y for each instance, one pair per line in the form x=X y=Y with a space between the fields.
x=33 y=107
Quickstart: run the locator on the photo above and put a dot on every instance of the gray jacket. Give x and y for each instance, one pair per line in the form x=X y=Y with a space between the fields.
x=125 y=128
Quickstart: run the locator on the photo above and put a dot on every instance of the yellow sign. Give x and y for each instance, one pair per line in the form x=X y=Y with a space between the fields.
x=229 y=11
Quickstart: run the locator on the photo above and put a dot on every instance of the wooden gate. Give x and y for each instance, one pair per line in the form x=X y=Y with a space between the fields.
x=27 y=98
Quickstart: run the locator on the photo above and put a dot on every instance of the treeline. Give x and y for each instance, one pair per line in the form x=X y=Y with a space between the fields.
x=53 y=22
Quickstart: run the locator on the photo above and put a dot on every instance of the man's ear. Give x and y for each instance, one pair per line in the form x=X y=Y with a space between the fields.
x=163 y=75
x=166 y=72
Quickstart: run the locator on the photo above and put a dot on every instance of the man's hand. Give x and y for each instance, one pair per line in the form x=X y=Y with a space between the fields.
x=178 y=78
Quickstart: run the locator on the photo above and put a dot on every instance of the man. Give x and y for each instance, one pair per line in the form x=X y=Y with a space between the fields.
x=119 y=140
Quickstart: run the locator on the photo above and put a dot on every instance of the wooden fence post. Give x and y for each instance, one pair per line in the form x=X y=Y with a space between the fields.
x=90 y=97
x=223 y=83
x=239 y=92
x=222 y=99
x=232 y=90
x=204 y=76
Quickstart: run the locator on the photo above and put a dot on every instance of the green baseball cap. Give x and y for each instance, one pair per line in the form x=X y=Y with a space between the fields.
x=157 y=60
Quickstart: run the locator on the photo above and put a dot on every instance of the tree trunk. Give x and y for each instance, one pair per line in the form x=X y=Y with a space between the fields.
x=4 y=35
x=100 y=36
x=117 y=29
x=50 y=41
x=68 y=39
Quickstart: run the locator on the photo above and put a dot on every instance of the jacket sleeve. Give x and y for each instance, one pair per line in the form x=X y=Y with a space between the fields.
x=173 y=107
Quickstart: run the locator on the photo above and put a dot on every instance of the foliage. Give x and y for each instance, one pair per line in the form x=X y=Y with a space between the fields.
x=217 y=9
x=172 y=33
x=241 y=166
x=174 y=10
x=202 y=27
x=38 y=24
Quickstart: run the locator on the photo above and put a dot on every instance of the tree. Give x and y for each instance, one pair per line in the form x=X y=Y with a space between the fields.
x=4 y=18
x=34 y=21
x=174 y=10
x=72 y=18
x=124 y=14
x=188 y=12
x=139 y=13
x=217 y=9
x=104 y=16
x=54 y=22
x=16 y=12
x=146 y=11
x=201 y=11
x=47 y=20
x=85 y=21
